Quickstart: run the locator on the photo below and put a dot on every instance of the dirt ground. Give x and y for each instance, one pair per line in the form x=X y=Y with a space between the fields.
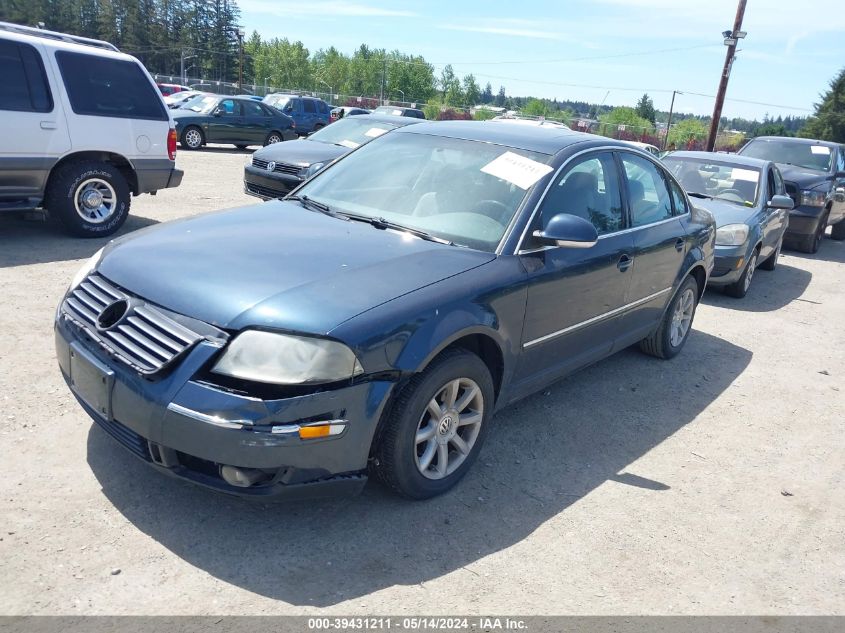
x=710 y=484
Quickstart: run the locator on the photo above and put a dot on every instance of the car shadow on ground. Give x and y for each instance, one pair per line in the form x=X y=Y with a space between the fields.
x=769 y=291
x=221 y=149
x=542 y=455
x=24 y=241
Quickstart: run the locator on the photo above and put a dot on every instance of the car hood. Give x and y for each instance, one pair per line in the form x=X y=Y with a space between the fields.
x=804 y=178
x=277 y=265
x=303 y=152
x=185 y=113
x=725 y=212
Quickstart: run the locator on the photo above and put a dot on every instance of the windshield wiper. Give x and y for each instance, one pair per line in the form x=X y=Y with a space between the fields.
x=382 y=223
x=310 y=203
x=699 y=195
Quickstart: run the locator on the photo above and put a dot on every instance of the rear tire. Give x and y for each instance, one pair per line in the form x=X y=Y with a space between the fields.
x=740 y=287
x=273 y=137
x=672 y=333
x=435 y=427
x=88 y=198
x=192 y=138
x=837 y=231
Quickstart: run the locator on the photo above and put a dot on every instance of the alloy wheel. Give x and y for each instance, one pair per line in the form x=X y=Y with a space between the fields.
x=449 y=428
x=95 y=200
x=752 y=266
x=193 y=138
x=682 y=317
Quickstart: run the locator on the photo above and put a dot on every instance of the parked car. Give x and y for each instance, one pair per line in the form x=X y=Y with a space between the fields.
x=343 y=111
x=275 y=170
x=374 y=320
x=171 y=89
x=814 y=176
x=310 y=113
x=253 y=97
x=400 y=111
x=748 y=199
x=83 y=129
x=646 y=147
x=178 y=99
x=222 y=119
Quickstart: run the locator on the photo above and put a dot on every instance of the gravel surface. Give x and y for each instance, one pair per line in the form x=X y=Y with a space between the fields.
x=710 y=484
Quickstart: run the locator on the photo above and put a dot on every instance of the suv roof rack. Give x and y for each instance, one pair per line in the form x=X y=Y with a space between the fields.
x=55 y=35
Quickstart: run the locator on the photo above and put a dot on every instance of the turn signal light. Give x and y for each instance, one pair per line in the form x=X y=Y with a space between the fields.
x=311 y=432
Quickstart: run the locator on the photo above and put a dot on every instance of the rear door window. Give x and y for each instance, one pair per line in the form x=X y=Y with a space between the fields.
x=648 y=197
x=251 y=108
x=23 y=83
x=102 y=86
x=309 y=106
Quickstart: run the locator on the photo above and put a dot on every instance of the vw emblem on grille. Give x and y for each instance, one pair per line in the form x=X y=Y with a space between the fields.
x=112 y=314
x=271 y=165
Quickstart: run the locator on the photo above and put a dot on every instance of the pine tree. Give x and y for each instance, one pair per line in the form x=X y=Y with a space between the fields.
x=828 y=123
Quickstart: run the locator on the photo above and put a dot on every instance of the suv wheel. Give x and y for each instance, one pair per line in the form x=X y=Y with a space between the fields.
x=837 y=231
x=810 y=244
x=192 y=137
x=436 y=426
x=90 y=199
x=673 y=331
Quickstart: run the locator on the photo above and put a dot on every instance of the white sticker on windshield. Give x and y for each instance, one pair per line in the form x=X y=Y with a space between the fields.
x=374 y=132
x=516 y=169
x=820 y=149
x=745 y=174
x=350 y=144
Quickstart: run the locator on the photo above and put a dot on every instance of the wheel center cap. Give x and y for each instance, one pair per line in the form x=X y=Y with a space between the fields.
x=92 y=199
x=447 y=426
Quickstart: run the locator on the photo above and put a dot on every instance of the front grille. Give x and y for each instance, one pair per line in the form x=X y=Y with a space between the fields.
x=265 y=192
x=144 y=338
x=282 y=168
x=126 y=436
x=793 y=192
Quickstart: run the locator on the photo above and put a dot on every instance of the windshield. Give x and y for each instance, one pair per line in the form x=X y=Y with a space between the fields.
x=722 y=180
x=201 y=103
x=462 y=191
x=817 y=157
x=352 y=132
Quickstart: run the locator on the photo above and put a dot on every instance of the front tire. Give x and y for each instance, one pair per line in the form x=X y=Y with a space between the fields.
x=740 y=288
x=192 y=138
x=435 y=427
x=837 y=231
x=672 y=333
x=811 y=243
x=771 y=262
x=88 y=198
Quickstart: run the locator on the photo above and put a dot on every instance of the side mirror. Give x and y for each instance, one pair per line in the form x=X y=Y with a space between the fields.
x=569 y=231
x=216 y=112
x=781 y=202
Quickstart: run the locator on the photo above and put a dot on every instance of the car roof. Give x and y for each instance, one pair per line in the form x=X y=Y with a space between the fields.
x=63 y=42
x=733 y=159
x=795 y=139
x=390 y=107
x=388 y=118
x=545 y=140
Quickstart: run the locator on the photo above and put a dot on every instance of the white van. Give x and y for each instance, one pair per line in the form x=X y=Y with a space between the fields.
x=82 y=128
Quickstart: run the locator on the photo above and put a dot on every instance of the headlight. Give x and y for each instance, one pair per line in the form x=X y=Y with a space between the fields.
x=813 y=198
x=731 y=235
x=285 y=359
x=86 y=269
x=311 y=170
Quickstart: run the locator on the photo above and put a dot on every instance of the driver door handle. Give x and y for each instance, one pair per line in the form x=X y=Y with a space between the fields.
x=624 y=262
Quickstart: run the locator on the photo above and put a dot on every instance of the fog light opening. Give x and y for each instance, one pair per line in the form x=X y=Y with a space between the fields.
x=242 y=477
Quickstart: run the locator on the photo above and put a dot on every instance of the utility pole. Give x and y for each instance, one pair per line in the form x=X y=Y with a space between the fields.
x=241 y=34
x=731 y=39
x=182 y=59
x=669 y=121
x=383 y=71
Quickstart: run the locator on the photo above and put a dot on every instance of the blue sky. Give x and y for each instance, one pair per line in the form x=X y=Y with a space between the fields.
x=585 y=50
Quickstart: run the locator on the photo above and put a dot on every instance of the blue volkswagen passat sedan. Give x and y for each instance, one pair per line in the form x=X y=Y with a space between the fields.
x=749 y=203
x=373 y=321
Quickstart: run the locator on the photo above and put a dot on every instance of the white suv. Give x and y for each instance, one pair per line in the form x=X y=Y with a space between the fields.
x=82 y=127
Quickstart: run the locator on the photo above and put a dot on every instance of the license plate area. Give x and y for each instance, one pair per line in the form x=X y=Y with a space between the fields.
x=91 y=381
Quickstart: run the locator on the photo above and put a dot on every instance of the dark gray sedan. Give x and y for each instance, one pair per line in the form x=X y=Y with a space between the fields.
x=275 y=170
x=748 y=200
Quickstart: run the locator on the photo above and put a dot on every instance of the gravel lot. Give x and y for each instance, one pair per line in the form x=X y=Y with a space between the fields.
x=711 y=484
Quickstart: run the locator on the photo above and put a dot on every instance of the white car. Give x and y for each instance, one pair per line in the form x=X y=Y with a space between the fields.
x=646 y=147
x=82 y=128
x=178 y=99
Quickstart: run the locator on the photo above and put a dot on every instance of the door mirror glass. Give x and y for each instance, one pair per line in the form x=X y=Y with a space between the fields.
x=569 y=231
x=216 y=112
x=781 y=202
